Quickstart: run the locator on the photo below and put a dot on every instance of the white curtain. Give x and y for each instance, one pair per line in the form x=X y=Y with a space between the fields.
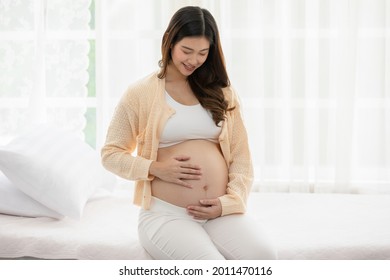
x=313 y=77
x=44 y=59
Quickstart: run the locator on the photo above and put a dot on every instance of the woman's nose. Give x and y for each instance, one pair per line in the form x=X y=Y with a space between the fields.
x=193 y=60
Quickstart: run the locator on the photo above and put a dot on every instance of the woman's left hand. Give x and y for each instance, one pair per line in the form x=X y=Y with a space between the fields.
x=209 y=209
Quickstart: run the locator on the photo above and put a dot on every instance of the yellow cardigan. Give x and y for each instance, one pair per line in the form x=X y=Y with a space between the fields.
x=137 y=124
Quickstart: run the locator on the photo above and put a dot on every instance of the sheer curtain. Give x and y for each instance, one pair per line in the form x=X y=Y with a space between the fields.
x=44 y=60
x=313 y=77
x=322 y=105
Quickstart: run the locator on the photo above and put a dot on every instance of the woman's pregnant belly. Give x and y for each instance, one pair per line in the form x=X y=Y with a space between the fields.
x=213 y=180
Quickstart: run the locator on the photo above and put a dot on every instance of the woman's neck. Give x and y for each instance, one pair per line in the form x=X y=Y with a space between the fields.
x=174 y=76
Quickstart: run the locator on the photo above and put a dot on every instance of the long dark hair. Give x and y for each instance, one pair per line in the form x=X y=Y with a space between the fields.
x=209 y=79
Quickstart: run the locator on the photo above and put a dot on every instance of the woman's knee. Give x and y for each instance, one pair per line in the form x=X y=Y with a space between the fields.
x=255 y=248
x=241 y=237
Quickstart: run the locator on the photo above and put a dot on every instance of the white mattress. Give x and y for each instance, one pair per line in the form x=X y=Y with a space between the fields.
x=326 y=226
x=303 y=226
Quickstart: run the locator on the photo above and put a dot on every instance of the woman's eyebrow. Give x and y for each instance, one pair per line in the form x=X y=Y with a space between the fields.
x=184 y=47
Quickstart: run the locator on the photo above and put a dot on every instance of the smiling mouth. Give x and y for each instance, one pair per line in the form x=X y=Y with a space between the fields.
x=189 y=67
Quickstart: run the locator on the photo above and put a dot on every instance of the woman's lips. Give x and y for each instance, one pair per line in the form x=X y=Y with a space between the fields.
x=189 y=67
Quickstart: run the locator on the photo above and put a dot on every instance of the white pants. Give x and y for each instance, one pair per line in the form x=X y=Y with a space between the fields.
x=166 y=231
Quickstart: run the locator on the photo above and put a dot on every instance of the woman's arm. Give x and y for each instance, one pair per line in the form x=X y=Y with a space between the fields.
x=241 y=168
x=120 y=144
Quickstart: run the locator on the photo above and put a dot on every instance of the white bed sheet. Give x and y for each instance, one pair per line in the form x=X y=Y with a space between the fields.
x=107 y=230
x=303 y=226
x=326 y=226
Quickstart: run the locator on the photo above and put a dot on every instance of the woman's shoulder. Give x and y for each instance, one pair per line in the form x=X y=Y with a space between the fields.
x=146 y=83
x=144 y=89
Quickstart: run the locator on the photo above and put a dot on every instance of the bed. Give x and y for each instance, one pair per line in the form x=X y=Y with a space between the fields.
x=303 y=226
x=58 y=202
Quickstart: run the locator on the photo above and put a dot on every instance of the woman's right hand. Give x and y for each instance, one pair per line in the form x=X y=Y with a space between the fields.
x=176 y=170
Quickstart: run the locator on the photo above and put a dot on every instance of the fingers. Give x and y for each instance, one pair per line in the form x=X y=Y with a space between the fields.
x=177 y=170
x=209 y=202
x=197 y=212
x=202 y=212
x=184 y=184
x=184 y=177
x=188 y=171
x=189 y=166
x=190 y=174
x=210 y=209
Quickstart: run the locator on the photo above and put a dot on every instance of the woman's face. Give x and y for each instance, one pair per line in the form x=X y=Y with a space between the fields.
x=189 y=54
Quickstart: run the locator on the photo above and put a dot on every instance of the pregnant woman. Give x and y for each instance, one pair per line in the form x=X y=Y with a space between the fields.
x=192 y=166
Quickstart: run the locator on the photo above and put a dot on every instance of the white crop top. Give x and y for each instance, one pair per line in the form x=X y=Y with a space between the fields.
x=188 y=123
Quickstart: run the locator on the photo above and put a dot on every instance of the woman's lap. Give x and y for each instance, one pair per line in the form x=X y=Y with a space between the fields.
x=168 y=232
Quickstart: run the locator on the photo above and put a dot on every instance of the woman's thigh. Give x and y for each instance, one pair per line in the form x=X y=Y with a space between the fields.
x=170 y=236
x=240 y=237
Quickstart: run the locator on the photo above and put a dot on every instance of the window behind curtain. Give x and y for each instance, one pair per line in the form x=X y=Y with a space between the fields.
x=313 y=77
x=47 y=50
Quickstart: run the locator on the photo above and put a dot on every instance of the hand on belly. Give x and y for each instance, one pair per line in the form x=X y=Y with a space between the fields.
x=189 y=172
x=209 y=209
x=177 y=170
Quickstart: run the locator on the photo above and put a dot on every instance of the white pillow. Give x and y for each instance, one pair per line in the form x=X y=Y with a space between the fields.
x=15 y=202
x=56 y=168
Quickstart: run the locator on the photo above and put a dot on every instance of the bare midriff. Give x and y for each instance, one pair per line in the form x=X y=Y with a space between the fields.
x=214 y=178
